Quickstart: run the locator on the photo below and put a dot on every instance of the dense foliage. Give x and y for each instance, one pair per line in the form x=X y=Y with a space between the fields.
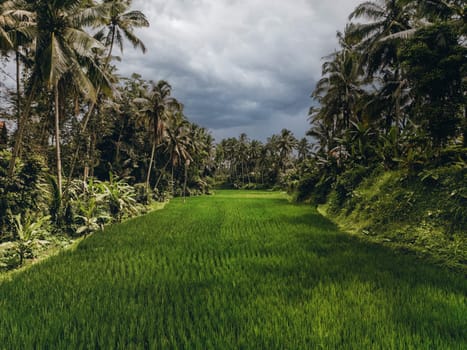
x=86 y=146
x=245 y=163
x=390 y=124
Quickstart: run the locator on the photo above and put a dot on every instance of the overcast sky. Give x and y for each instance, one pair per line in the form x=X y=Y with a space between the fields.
x=239 y=65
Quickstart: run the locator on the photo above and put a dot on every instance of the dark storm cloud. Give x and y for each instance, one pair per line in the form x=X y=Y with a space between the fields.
x=239 y=65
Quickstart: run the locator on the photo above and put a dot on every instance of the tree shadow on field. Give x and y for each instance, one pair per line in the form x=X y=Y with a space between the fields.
x=365 y=259
x=322 y=255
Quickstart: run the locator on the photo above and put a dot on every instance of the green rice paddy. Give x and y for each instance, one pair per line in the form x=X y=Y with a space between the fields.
x=237 y=270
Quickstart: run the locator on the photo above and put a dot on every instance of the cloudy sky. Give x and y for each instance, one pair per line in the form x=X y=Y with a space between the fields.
x=239 y=65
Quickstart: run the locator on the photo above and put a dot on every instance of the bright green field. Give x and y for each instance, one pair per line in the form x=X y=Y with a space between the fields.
x=238 y=270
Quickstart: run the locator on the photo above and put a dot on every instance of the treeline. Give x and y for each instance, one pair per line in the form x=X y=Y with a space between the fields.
x=393 y=94
x=244 y=163
x=388 y=130
x=87 y=146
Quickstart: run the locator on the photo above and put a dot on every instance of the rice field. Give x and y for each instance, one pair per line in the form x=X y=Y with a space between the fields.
x=237 y=270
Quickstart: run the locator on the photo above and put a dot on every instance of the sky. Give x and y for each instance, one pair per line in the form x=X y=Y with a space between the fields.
x=239 y=65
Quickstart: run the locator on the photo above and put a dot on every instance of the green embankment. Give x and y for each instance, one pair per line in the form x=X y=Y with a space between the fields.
x=237 y=270
x=425 y=214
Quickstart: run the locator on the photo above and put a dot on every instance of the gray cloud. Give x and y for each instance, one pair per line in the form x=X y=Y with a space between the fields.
x=239 y=65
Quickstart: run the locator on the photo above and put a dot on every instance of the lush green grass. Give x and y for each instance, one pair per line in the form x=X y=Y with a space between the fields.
x=237 y=270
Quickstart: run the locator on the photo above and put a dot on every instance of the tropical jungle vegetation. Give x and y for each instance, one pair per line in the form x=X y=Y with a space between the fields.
x=86 y=147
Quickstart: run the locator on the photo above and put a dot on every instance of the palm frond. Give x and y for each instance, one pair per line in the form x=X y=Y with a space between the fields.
x=83 y=43
x=368 y=9
x=133 y=39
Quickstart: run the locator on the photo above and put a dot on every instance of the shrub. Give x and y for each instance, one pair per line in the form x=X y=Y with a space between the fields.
x=347 y=182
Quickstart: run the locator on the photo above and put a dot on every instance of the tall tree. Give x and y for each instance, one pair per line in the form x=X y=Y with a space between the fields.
x=156 y=107
x=61 y=45
x=377 y=44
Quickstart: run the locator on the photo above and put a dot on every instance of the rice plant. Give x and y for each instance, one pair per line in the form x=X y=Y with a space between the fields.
x=237 y=270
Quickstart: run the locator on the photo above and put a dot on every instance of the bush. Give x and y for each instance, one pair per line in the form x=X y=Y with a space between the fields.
x=347 y=182
x=315 y=187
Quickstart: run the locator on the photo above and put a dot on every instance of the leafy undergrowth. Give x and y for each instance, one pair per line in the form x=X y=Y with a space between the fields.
x=426 y=214
x=238 y=270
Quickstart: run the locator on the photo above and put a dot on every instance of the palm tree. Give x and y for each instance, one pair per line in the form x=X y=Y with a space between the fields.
x=339 y=90
x=180 y=143
x=156 y=107
x=7 y=21
x=303 y=149
x=383 y=18
x=254 y=151
x=286 y=143
x=61 y=46
x=22 y=34
x=117 y=25
x=376 y=41
x=16 y=30
x=242 y=154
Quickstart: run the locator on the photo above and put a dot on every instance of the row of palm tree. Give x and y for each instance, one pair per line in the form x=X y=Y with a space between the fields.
x=75 y=116
x=62 y=55
x=240 y=160
x=396 y=83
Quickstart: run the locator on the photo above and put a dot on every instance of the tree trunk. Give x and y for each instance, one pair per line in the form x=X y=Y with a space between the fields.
x=173 y=183
x=118 y=146
x=153 y=152
x=185 y=180
x=18 y=89
x=162 y=172
x=464 y=131
x=89 y=113
x=243 y=175
x=57 y=139
x=20 y=131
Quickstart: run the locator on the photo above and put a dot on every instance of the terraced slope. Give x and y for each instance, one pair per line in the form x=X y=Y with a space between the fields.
x=238 y=270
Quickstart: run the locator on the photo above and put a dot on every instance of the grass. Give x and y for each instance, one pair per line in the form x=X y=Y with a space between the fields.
x=237 y=270
x=426 y=217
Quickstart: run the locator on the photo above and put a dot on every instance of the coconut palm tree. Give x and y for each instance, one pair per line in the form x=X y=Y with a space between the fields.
x=382 y=19
x=254 y=151
x=113 y=26
x=286 y=143
x=303 y=149
x=377 y=42
x=61 y=45
x=17 y=28
x=156 y=107
x=339 y=91
x=22 y=34
x=7 y=22
x=119 y=24
x=180 y=144
x=242 y=155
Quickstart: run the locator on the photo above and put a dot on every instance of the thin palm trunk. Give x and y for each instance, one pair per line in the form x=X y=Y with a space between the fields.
x=162 y=172
x=57 y=139
x=173 y=182
x=118 y=145
x=20 y=131
x=90 y=111
x=153 y=153
x=18 y=89
x=243 y=175
x=185 y=181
